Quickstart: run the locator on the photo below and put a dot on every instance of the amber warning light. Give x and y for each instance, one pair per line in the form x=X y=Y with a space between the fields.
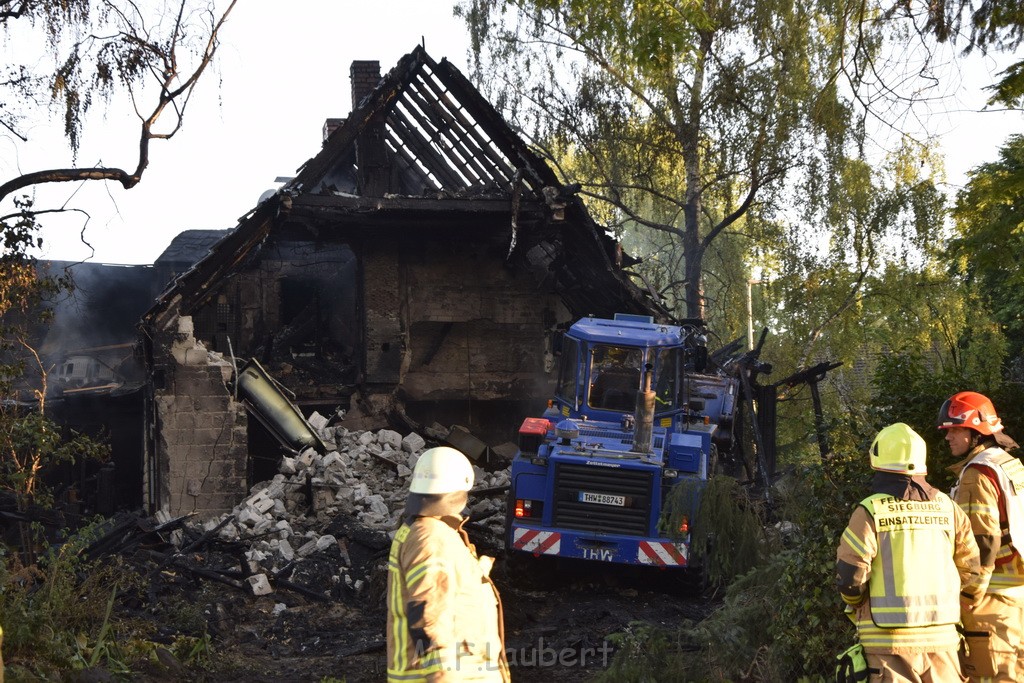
x=531 y=434
x=528 y=508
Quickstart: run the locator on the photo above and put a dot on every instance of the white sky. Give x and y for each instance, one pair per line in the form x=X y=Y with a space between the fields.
x=283 y=69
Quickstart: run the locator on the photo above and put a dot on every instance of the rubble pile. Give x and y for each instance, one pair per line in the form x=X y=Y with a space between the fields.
x=318 y=505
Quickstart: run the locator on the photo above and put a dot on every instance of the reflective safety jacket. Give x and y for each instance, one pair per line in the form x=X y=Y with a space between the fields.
x=909 y=585
x=990 y=489
x=902 y=566
x=444 y=614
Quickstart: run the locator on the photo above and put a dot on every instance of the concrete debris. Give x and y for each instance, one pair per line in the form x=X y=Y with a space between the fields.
x=412 y=443
x=361 y=484
x=260 y=584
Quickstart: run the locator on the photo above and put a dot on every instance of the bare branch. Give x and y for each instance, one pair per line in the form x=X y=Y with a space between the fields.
x=6 y=13
x=174 y=92
x=22 y=214
x=851 y=299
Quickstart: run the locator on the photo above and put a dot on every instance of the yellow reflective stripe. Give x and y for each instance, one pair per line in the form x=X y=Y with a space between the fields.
x=399 y=668
x=981 y=509
x=1006 y=580
x=414 y=674
x=431 y=661
x=852 y=540
x=416 y=572
x=399 y=621
x=935 y=636
x=916 y=601
x=399 y=625
x=888 y=571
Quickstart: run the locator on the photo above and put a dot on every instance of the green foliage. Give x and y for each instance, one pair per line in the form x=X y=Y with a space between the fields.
x=193 y=651
x=58 y=614
x=693 y=121
x=727 y=537
x=29 y=441
x=992 y=25
x=1010 y=89
x=68 y=55
x=86 y=51
x=782 y=619
x=911 y=391
x=645 y=653
x=988 y=212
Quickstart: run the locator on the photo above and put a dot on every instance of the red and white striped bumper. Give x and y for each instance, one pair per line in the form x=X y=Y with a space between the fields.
x=538 y=542
x=661 y=554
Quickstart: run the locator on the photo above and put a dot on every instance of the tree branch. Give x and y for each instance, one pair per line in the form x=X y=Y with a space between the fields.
x=6 y=14
x=176 y=97
x=850 y=300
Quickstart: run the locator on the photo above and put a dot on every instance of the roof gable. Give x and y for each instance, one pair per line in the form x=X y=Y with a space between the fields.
x=423 y=131
x=423 y=143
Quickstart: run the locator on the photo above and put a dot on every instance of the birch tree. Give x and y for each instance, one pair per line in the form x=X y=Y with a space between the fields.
x=694 y=118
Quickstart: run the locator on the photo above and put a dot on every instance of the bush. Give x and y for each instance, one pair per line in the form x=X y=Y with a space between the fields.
x=58 y=614
x=781 y=620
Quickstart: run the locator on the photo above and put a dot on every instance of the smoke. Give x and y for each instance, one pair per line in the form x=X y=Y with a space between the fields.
x=103 y=308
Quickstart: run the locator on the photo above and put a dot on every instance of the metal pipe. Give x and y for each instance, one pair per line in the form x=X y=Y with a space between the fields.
x=644 y=414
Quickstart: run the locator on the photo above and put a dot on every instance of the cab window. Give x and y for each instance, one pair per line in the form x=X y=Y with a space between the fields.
x=666 y=381
x=614 y=377
x=566 y=387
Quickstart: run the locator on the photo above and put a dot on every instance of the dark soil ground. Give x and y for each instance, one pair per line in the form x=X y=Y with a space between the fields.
x=558 y=620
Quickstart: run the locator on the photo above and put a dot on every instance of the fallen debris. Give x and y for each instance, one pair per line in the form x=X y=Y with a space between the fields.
x=321 y=527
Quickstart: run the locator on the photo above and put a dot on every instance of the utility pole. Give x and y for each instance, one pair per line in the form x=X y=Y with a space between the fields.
x=750 y=314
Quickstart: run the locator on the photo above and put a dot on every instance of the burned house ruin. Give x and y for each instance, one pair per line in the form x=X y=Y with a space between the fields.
x=414 y=269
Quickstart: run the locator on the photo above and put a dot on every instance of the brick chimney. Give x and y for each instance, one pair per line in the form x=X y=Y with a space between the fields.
x=371 y=151
x=331 y=125
x=365 y=76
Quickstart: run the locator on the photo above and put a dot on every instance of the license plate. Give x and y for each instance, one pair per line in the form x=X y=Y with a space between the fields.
x=602 y=498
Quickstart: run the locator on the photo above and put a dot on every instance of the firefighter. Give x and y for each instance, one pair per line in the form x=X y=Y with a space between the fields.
x=905 y=563
x=444 y=613
x=988 y=482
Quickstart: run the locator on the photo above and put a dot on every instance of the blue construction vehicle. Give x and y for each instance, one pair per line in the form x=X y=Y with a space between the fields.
x=612 y=470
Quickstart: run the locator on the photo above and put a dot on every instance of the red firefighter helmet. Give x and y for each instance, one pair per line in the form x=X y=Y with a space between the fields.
x=971 y=410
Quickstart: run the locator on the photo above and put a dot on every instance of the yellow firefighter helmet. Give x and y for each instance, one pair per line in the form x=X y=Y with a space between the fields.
x=900 y=449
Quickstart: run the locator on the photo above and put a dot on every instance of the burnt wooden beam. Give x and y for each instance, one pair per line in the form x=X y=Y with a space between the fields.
x=192 y=289
x=373 y=167
x=494 y=125
x=448 y=130
x=420 y=146
x=403 y=157
x=313 y=171
x=348 y=204
x=428 y=78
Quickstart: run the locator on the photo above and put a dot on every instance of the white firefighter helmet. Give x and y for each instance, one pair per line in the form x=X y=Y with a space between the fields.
x=441 y=470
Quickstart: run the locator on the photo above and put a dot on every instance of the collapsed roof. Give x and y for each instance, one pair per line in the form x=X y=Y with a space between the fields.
x=424 y=150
